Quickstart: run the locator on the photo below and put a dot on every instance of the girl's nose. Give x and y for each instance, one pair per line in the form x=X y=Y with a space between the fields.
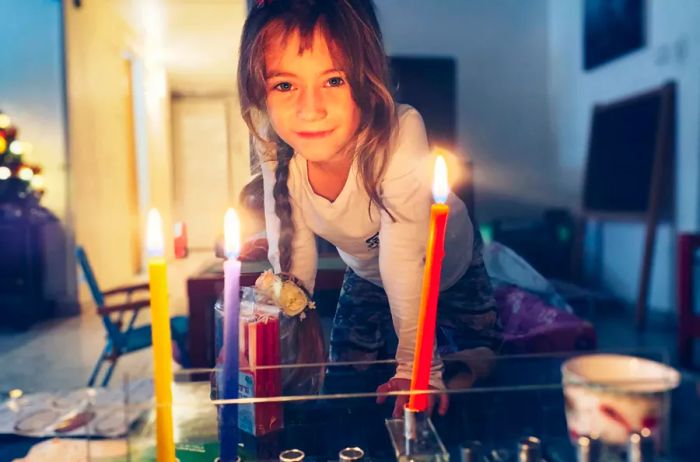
x=311 y=104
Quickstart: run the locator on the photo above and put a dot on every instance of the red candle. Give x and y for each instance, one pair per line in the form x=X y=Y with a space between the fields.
x=427 y=316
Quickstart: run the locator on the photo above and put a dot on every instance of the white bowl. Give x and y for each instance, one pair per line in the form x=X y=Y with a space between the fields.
x=609 y=396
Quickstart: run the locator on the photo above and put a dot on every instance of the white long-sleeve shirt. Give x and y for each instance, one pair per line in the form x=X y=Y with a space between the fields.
x=390 y=254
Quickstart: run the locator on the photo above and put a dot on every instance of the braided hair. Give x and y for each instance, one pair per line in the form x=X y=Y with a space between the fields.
x=283 y=206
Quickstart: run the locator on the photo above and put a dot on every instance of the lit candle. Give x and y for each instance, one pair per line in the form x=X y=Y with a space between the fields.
x=160 y=333
x=228 y=432
x=425 y=337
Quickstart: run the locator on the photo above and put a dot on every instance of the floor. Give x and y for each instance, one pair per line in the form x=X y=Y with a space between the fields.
x=60 y=353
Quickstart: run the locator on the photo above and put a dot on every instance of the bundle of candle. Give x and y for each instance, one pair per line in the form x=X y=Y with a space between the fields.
x=260 y=331
x=300 y=343
x=259 y=351
x=302 y=334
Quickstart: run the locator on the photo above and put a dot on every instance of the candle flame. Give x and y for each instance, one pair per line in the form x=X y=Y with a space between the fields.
x=154 y=234
x=440 y=187
x=232 y=234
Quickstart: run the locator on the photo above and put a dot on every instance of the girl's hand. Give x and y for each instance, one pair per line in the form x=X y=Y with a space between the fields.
x=397 y=384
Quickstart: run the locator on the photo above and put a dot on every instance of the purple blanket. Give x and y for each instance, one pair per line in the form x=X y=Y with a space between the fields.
x=532 y=326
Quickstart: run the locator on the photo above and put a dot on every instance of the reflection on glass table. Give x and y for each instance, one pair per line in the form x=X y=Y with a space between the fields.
x=82 y=412
x=522 y=400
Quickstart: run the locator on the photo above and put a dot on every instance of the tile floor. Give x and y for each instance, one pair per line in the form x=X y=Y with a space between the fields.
x=60 y=353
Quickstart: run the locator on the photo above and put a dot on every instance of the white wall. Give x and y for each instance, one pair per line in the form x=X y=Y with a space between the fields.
x=503 y=117
x=32 y=94
x=31 y=88
x=101 y=54
x=672 y=52
x=200 y=158
x=524 y=106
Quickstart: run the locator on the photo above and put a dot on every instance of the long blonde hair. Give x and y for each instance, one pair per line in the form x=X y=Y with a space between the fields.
x=352 y=31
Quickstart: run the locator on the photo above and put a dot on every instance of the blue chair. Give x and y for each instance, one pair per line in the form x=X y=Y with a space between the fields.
x=123 y=336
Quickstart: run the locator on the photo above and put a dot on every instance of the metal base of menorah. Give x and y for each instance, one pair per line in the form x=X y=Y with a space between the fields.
x=414 y=438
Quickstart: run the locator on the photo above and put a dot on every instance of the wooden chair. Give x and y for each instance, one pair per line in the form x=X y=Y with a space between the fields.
x=123 y=336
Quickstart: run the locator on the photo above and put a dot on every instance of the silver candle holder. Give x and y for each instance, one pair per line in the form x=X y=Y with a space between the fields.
x=414 y=438
x=588 y=449
x=292 y=455
x=471 y=451
x=640 y=447
x=353 y=454
x=530 y=449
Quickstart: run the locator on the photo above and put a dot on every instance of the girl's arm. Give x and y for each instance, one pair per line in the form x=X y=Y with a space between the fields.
x=304 y=255
x=406 y=192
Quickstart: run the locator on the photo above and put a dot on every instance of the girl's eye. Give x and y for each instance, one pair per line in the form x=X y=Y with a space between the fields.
x=335 y=81
x=283 y=86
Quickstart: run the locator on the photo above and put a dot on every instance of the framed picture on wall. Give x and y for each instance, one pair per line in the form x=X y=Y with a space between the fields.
x=612 y=28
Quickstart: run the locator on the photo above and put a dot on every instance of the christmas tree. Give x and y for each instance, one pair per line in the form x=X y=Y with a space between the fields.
x=20 y=181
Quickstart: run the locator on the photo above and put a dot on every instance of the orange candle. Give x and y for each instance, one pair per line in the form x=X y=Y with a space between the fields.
x=427 y=316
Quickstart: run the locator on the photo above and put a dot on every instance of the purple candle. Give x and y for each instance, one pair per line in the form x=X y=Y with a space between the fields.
x=228 y=430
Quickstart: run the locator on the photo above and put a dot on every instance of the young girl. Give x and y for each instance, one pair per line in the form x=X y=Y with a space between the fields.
x=341 y=160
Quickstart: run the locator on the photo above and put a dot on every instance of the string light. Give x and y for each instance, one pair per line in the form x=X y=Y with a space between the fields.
x=16 y=148
x=4 y=120
x=38 y=182
x=25 y=173
x=18 y=166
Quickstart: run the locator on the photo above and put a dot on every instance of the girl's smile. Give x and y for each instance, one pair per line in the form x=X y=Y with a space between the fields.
x=314 y=135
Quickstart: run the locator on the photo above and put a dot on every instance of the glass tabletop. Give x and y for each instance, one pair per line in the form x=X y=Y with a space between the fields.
x=517 y=397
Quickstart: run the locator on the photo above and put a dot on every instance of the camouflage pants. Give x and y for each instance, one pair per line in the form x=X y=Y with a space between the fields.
x=467 y=317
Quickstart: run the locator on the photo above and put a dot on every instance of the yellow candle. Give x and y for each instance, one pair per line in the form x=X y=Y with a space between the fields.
x=160 y=329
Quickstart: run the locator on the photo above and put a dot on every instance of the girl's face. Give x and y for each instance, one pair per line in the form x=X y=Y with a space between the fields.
x=308 y=98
